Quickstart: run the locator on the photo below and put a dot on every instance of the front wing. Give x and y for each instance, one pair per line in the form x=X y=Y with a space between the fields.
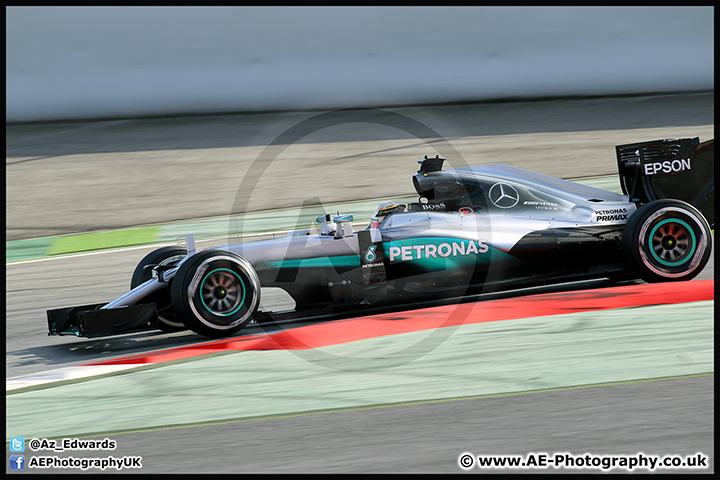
x=94 y=321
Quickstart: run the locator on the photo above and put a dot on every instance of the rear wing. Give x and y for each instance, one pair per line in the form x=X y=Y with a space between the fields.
x=682 y=169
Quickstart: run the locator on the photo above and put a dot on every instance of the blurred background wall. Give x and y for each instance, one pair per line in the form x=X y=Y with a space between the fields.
x=110 y=62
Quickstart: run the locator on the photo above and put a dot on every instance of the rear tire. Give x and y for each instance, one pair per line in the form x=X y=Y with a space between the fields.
x=215 y=293
x=169 y=322
x=667 y=240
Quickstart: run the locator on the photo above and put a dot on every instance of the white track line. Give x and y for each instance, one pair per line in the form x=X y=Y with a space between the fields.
x=157 y=245
x=60 y=374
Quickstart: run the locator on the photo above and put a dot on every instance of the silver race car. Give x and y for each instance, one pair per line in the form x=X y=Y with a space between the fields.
x=472 y=230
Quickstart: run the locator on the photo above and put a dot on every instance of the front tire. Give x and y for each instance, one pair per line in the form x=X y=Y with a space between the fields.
x=169 y=322
x=215 y=293
x=667 y=240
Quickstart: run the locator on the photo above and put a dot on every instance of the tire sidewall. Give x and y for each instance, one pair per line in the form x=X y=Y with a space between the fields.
x=641 y=250
x=196 y=274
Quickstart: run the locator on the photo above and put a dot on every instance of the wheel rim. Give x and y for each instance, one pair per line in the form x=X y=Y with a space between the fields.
x=672 y=242
x=222 y=292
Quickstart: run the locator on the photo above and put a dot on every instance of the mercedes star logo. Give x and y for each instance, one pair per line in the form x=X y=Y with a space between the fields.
x=503 y=195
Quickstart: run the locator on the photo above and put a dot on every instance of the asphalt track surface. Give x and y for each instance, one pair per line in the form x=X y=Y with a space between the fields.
x=428 y=437
x=75 y=178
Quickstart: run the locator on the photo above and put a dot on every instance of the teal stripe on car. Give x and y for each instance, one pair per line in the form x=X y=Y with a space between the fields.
x=340 y=261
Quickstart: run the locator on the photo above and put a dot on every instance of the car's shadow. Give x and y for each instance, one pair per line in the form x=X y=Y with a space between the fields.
x=87 y=351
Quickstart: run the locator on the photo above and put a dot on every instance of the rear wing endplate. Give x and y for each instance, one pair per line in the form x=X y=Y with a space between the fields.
x=682 y=169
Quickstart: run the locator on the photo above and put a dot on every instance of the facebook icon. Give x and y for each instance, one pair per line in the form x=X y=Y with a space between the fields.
x=17 y=462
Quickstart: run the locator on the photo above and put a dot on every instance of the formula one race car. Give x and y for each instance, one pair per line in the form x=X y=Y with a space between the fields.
x=472 y=230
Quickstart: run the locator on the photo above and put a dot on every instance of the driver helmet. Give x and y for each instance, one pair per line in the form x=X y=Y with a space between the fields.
x=384 y=210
